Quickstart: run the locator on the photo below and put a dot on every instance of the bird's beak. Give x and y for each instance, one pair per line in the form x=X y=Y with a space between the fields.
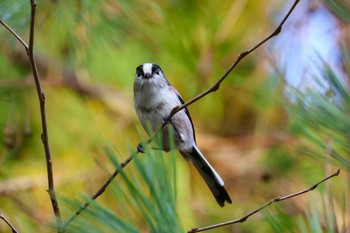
x=147 y=75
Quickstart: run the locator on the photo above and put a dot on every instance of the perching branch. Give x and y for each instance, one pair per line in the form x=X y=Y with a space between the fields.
x=242 y=55
x=177 y=109
x=44 y=136
x=276 y=199
x=13 y=229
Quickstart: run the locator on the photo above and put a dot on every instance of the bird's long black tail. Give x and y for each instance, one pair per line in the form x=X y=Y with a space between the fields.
x=211 y=177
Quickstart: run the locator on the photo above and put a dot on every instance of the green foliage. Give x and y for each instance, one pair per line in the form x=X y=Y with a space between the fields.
x=340 y=7
x=320 y=117
x=279 y=221
x=323 y=118
x=318 y=218
x=280 y=161
x=148 y=192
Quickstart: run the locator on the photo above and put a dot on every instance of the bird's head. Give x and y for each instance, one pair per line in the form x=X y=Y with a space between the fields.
x=149 y=71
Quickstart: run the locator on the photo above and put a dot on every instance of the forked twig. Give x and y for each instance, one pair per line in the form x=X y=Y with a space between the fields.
x=276 y=199
x=41 y=96
x=13 y=229
x=177 y=109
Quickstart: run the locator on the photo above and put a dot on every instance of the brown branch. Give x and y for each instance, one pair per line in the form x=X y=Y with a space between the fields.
x=44 y=135
x=276 y=199
x=14 y=34
x=242 y=55
x=8 y=223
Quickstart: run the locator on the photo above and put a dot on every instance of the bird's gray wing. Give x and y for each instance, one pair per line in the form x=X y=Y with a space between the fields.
x=186 y=111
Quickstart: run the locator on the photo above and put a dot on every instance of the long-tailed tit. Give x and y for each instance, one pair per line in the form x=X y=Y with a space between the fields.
x=154 y=98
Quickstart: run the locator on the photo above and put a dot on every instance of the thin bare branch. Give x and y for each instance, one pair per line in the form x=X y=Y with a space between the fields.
x=276 y=199
x=14 y=34
x=44 y=135
x=13 y=229
x=242 y=55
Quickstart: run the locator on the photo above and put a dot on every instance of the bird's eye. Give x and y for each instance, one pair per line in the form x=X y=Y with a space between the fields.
x=155 y=70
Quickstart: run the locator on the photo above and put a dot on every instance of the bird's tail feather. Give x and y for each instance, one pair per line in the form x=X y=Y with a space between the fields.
x=211 y=177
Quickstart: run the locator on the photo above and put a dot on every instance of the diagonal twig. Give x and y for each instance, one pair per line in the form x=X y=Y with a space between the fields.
x=242 y=55
x=13 y=229
x=276 y=199
x=14 y=34
x=177 y=109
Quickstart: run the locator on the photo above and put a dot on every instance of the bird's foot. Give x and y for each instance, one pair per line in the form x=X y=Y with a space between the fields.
x=140 y=148
x=166 y=121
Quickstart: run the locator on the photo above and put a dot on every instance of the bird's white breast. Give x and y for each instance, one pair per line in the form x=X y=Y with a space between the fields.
x=153 y=102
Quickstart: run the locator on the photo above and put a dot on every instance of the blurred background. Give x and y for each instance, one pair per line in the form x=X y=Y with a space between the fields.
x=278 y=124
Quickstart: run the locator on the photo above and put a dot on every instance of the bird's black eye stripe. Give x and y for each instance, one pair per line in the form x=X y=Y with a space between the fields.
x=156 y=69
x=139 y=71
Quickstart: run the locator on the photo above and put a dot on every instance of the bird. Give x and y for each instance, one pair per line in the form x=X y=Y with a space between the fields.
x=154 y=98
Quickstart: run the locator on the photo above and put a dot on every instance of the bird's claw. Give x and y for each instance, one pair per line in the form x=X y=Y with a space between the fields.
x=166 y=121
x=140 y=148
